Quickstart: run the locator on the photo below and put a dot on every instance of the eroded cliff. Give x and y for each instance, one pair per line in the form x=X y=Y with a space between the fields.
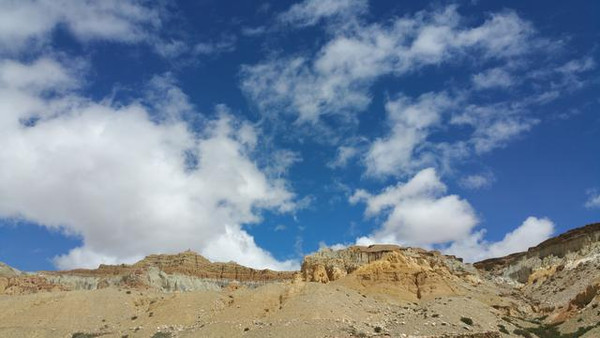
x=560 y=276
x=186 y=271
x=409 y=273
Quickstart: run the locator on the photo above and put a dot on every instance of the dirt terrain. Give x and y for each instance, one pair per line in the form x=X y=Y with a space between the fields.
x=377 y=291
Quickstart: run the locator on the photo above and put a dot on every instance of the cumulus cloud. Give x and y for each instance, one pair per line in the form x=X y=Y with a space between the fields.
x=421 y=213
x=126 y=183
x=530 y=233
x=418 y=212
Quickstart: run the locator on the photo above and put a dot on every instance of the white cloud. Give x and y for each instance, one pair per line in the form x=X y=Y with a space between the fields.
x=530 y=233
x=281 y=161
x=493 y=78
x=37 y=76
x=166 y=100
x=572 y=70
x=323 y=245
x=310 y=12
x=121 y=180
x=27 y=22
x=418 y=212
x=170 y=48
x=324 y=91
x=343 y=155
x=338 y=78
x=253 y=31
x=280 y=227
x=410 y=122
x=478 y=181
x=593 y=200
x=29 y=25
x=577 y=66
x=225 y=44
x=494 y=125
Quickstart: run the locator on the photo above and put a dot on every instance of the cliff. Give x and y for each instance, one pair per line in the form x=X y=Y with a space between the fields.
x=408 y=273
x=185 y=271
x=560 y=246
x=7 y=271
x=560 y=276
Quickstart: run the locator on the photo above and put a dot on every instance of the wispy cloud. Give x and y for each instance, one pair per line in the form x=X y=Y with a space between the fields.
x=26 y=23
x=477 y=181
x=593 y=200
x=410 y=123
x=311 y=12
x=493 y=78
x=337 y=79
x=324 y=92
x=225 y=44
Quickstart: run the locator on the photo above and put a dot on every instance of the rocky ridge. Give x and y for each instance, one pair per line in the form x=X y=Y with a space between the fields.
x=187 y=271
x=411 y=273
x=551 y=290
x=7 y=271
x=560 y=276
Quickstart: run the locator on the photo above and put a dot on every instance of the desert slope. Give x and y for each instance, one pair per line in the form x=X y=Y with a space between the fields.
x=379 y=290
x=560 y=277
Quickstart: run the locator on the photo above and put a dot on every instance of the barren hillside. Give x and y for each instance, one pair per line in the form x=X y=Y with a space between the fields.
x=380 y=290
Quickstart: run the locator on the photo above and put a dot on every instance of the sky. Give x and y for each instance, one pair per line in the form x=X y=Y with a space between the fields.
x=259 y=132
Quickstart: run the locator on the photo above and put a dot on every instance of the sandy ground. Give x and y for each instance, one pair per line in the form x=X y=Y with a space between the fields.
x=290 y=309
x=275 y=310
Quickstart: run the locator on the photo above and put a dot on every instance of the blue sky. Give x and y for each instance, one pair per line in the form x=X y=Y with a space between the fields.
x=261 y=131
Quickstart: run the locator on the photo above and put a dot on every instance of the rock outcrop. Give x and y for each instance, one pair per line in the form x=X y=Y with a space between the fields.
x=329 y=265
x=410 y=272
x=577 y=242
x=7 y=271
x=185 y=271
x=560 y=275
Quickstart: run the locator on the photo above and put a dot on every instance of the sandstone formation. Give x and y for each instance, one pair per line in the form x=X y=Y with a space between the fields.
x=7 y=271
x=560 y=276
x=552 y=290
x=185 y=271
x=410 y=273
x=329 y=265
x=576 y=242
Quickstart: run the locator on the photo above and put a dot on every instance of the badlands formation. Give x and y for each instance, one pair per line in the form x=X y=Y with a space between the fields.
x=377 y=291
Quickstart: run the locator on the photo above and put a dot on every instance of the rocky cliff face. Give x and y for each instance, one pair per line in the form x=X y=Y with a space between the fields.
x=560 y=276
x=185 y=271
x=7 y=271
x=410 y=273
x=329 y=265
x=574 y=243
